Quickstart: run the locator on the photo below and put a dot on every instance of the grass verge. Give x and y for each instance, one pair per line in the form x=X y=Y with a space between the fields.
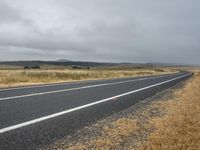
x=179 y=128
x=9 y=78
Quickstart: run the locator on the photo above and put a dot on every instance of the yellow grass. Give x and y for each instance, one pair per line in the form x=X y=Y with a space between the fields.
x=179 y=129
x=27 y=77
x=111 y=136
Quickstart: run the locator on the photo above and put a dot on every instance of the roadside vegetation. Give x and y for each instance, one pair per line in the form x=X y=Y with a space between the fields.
x=179 y=129
x=17 y=77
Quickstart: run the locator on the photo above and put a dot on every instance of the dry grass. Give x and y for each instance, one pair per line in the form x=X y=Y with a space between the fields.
x=111 y=136
x=28 y=77
x=179 y=128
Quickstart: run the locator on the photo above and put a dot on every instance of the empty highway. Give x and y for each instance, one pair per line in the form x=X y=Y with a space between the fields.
x=37 y=115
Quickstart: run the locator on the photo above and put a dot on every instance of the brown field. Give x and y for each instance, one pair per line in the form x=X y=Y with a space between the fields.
x=18 y=77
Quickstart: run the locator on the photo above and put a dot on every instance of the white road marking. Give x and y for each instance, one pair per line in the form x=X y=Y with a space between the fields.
x=3 y=130
x=72 y=89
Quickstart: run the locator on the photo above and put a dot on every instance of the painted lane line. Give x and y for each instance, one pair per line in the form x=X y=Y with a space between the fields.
x=72 y=89
x=3 y=130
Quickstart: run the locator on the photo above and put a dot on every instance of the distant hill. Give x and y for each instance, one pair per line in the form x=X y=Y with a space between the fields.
x=161 y=64
x=57 y=63
x=63 y=60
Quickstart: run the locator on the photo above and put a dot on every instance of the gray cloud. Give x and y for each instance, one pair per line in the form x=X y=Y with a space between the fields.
x=101 y=30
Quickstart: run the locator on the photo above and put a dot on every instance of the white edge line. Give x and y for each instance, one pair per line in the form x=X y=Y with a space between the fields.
x=81 y=107
x=78 y=88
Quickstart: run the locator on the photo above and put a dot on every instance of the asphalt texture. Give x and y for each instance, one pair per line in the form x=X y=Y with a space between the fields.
x=19 y=105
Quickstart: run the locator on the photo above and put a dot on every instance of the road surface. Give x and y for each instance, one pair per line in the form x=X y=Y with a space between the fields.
x=37 y=115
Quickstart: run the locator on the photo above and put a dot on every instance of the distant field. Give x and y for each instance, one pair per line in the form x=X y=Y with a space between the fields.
x=17 y=76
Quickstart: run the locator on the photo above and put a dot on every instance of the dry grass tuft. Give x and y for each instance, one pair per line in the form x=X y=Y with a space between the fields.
x=78 y=147
x=179 y=129
x=111 y=136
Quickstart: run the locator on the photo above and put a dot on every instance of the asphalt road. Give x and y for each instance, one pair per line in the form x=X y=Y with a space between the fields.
x=38 y=115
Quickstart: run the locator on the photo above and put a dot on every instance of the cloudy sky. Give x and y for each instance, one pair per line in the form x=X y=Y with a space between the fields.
x=101 y=30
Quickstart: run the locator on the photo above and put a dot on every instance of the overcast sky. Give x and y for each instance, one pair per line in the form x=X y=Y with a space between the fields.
x=101 y=30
